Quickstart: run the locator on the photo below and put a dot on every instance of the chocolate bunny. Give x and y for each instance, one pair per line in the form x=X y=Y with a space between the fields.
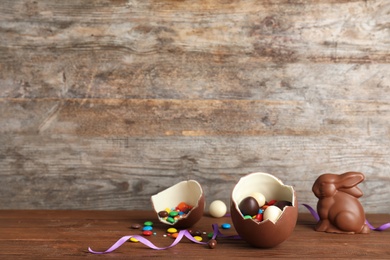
x=338 y=206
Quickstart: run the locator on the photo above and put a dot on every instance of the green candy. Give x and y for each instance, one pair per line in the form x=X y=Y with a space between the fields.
x=148 y=223
x=173 y=213
x=170 y=220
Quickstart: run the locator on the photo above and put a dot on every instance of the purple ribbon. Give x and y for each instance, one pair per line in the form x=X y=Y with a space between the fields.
x=217 y=233
x=146 y=242
x=317 y=217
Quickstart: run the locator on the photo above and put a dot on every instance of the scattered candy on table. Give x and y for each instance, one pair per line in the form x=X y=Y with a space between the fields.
x=148 y=223
x=225 y=226
x=147 y=228
x=198 y=238
x=135 y=226
x=134 y=240
x=172 y=230
x=147 y=233
x=212 y=243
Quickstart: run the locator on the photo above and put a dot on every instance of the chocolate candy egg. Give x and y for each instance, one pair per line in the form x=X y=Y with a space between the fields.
x=253 y=231
x=183 y=193
x=272 y=213
x=259 y=197
x=217 y=209
x=249 y=206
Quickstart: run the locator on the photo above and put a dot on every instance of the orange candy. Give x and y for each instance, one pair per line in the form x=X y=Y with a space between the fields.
x=183 y=207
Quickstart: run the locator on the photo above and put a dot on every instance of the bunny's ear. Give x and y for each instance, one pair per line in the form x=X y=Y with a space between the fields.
x=348 y=181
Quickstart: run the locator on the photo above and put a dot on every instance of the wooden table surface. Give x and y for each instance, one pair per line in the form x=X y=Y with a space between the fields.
x=56 y=234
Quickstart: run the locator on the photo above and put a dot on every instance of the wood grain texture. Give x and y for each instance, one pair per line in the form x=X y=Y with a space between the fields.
x=64 y=234
x=104 y=103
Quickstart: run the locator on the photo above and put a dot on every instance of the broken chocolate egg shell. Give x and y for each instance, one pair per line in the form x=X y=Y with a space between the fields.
x=264 y=234
x=189 y=192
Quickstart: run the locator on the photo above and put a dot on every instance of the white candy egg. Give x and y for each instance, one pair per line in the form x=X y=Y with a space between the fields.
x=259 y=197
x=217 y=209
x=272 y=213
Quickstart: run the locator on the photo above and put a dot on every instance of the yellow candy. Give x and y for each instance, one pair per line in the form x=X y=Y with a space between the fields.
x=172 y=230
x=132 y=239
x=168 y=210
x=198 y=238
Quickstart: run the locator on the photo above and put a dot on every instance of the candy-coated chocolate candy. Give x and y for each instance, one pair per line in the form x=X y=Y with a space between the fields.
x=147 y=233
x=171 y=220
x=172 y=230
x=198 y=238
x=148 y=223
x=225 y=226
x=259 y=217
x=173 y=213
x=249 y=206
x=184 y=207
x=174 y=235
x=147 y=228
x=217 y=209
x=247 y=217
x=212 y=243
x=132 y=239
x=210 y=235
x=197 y=233
x=135 y=226
x=163 y=214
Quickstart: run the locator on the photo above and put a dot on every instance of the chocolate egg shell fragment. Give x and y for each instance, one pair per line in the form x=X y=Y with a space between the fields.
x=264 y=234
x=282 y=203
x=249 y=206
x=190 y=192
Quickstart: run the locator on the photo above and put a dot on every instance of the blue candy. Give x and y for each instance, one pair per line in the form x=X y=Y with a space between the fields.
x=225 y=226
x=147 y=228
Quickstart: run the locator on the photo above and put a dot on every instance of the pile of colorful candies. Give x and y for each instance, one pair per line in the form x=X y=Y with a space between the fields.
x=147 y=230
x=172 y=215
x=257 y=208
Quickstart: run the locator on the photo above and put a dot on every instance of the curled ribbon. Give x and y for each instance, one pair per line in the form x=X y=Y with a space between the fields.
x=216 y=233
x=317 y=217
x=146 y=242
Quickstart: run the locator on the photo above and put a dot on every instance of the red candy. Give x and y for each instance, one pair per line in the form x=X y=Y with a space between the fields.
x=183 y=207
x=259 y=217
x=147 y=233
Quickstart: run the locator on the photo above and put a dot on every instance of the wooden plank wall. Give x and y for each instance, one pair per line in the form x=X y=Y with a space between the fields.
x=104 y=103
